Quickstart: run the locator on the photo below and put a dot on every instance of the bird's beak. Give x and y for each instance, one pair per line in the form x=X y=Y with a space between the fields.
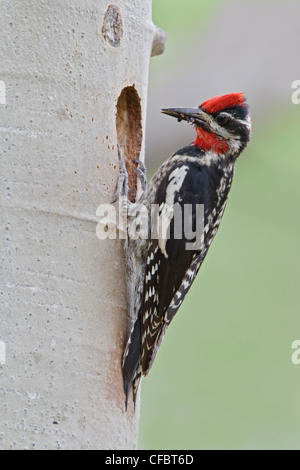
x=194 y=116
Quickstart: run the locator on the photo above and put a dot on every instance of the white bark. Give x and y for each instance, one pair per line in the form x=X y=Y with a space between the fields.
x=63 y=307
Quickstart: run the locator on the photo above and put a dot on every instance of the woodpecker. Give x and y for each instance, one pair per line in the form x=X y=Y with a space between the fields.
x=198 y=174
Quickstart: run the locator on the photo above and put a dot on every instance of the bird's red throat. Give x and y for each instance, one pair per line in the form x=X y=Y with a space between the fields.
x=209 y=141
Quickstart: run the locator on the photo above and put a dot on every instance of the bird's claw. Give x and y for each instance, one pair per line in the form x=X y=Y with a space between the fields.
x=141 y=172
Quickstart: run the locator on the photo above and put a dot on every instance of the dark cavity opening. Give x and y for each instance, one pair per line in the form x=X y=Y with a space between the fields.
x=130 y=133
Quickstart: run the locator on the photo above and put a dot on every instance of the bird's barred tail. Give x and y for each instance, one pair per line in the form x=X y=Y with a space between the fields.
x=132 y=361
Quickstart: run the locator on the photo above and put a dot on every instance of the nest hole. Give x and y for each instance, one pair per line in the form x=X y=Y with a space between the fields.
x=130 y=133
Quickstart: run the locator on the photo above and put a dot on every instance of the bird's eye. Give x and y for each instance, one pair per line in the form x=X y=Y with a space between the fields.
x=222 y=119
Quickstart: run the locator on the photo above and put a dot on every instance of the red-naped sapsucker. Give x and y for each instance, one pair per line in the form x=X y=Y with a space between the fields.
x=199 y=174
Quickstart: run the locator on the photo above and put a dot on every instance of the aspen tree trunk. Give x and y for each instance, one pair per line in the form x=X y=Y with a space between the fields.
x=75 y=76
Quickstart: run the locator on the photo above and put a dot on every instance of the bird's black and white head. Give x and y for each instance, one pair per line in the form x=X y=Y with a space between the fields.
x=222 y=124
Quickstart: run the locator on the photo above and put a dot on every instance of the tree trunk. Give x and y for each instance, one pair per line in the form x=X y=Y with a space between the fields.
x=75 y=77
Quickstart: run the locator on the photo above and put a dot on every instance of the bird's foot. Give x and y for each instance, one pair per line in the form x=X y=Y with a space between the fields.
x=141 y=172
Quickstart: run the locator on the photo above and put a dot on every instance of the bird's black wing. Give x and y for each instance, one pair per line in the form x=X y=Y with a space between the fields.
x=171 y=267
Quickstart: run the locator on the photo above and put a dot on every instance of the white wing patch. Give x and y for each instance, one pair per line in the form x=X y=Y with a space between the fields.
x=176 y=180
x=166 y=209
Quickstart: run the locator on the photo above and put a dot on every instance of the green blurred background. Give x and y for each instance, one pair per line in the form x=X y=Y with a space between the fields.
x=223 y=378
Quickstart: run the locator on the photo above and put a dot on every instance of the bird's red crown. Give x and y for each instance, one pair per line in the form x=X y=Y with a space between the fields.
x=213 y=105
